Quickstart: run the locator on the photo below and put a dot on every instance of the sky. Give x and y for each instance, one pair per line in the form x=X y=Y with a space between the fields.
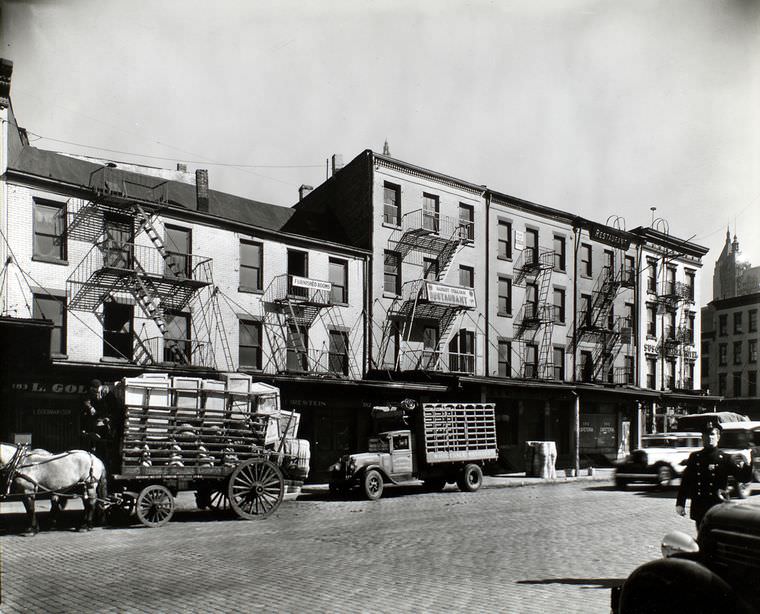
x=598 y=107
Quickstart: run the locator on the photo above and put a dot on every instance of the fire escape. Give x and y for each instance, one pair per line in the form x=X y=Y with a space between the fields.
x=116 y=267
x=534 y=322
x=293 y=304
x=439 y=238
x=597 y=325
x=675 y=336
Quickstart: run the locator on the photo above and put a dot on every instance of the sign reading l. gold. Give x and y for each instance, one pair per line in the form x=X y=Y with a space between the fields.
x=450 y=295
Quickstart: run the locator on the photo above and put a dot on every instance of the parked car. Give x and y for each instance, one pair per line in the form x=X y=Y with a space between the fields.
x=742 y=439
x=660 y=458
x=717 y=573
x=697 y=422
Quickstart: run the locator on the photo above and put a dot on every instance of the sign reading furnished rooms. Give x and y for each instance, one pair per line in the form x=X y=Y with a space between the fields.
x=313 y=284
x=450 y=295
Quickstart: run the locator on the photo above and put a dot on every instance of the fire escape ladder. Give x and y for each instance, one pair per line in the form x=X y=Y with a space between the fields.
x=298 y=328
x=216 y=314
x=446 y=259
x=142 y=354
x=145 y=221
x=446 y=326
x=274 y=329
x=335 y=318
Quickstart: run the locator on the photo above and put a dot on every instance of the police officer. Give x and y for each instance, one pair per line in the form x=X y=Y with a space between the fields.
x=705 y=478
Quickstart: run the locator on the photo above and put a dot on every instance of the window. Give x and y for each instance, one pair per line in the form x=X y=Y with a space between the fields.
x=586 y=309
x=559 y=364
x=559 y=253
x=531 y=300
x=339 y=281
x=586 y=263
x=178 y=242
x=611 y=318
x=52 y=308
x=251 y=265
x=505 y=240
x=651 y=320
x=670 y=329
x=430 y=212
x=609 y=261
x=429 y=347
x=117 y=247
x=670 y=282
x=117 y=331
x=651 y=373
x=559 y=305
x=689 y=333
x=689 y=381
x=466 y=277
x=298 y=266
x=737 y=352
x=752 y=324
x=628 y=323
x=652 y=275
x=722 y=384
x=505 y=360
x=49 y=230
x=462 y=352
x=690 y=275
x=531 y=360
x=722 y=354
x=531 y=245
x=628 y=370
x=249 y=344
x=752 y=350
x=338 y=352
x=670 y=380
x=298 y=349
x=392 y=272
x=505 y=297
x=177 y=346
x=629 y=271
x=737 y=391
x=738 y=322
x=392 y=204
x=466 y=221
x=586 y=366
x=430 y=269
x=752 y=384
x=389 y=357
x=723 y=324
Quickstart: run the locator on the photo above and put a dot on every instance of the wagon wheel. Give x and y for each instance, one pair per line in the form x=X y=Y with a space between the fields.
x=213 y=498
x=256 y=488
x=155 y=505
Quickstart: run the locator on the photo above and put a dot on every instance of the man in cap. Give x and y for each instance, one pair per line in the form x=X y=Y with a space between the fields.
x=96 y=422
x=705 y=478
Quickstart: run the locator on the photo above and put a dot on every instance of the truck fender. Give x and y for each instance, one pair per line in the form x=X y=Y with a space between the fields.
x=678 y=585
x=379 y=469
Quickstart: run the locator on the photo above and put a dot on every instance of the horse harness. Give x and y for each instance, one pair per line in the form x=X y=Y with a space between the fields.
x=12 y=470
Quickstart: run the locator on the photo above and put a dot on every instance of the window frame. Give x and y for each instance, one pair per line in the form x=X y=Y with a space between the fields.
x=344 y=288
x=560 y=256
x=38 y=313
x=508 y=297
x=467 y=222
x=333 y=355
x=467 y=271
x=507 y=344
x=390 y=254
x=559 y=319
x=587 y=260
x=504 y=246
x=395 y=189
x=110 y=347
x=257 y=349
x=61 y=212
x=259 y=287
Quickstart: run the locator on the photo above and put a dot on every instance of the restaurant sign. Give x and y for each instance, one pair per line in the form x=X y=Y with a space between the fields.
x=609 y=236
x=450 y=295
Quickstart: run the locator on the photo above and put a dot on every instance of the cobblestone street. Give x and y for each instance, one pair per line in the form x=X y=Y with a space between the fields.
x=544 y=548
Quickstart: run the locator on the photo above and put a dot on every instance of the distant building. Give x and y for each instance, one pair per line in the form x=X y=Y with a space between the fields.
x=730 y=334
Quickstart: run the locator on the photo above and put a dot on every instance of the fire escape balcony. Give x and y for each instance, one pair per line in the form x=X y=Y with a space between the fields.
x=685 y=335
x=531 y=262
x=670 y=343
x=627 y=277
x=532 y=316
x=437 y=360
x=298 y=290
x=428 y=232
x=672 y=292
x=111 y=268
x=188 y=352
x=118 y=187
x=431 y=300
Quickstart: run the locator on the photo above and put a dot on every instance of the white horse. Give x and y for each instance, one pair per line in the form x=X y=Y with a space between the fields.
x=33 y=472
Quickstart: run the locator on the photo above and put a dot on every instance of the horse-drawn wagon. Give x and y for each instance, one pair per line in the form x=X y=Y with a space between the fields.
x=228 y=440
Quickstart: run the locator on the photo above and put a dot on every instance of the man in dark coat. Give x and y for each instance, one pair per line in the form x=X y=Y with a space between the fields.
x=705 y=478
x=95 y=422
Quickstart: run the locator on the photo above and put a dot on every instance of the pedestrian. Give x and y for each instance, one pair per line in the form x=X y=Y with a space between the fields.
x=705 y=478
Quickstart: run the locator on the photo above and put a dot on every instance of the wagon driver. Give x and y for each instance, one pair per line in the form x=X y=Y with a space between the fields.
x=705 y=478
x=97 y=431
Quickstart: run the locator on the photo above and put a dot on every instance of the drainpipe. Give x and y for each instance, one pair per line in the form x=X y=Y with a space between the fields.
x=575 y=302
x=486 y=350
x=576 y=430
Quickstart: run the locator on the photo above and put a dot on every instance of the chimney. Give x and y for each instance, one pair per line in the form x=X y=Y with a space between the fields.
x=182 y=168
x=337 y=163
x=6 y=70
x=201 y=189
x=304 y=190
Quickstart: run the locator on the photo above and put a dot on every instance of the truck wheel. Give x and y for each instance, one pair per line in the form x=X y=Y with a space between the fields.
x=470 y=479
x=373 y=485
x=664 y=475
x=621 y=483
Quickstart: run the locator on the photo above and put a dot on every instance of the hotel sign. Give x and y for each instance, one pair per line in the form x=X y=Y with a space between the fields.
x=312 y=284
x=450 y=295
x=609 y=236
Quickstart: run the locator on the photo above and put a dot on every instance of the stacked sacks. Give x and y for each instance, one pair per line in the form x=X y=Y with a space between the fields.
x=296 y=456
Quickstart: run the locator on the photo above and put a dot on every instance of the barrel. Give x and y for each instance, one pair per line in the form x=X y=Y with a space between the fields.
x=540 y=459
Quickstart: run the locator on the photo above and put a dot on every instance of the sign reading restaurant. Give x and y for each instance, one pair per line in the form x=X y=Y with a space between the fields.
x=450 y=295
x=609 y=236
x=313 y=284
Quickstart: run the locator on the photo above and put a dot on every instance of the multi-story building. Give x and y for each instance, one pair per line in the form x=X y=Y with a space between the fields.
x=387 y=281
x=730 y=332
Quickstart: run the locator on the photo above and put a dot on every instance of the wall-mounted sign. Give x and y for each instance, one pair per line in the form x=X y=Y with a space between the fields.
x=519 y=239
x=651 y=347
x=609 y=236
x=313 y=284
x=690 y=354
x=450 y=295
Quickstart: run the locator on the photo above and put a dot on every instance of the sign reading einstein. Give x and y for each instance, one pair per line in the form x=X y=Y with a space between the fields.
x=450 y=295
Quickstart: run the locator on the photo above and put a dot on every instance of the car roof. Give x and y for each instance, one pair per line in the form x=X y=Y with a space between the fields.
x=741 y=426
x=673 y=435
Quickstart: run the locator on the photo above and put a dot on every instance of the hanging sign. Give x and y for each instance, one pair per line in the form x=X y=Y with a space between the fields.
x=519 y=239
x=609 y=236
x=651 y=347
x=450 y=295
x=313 y=284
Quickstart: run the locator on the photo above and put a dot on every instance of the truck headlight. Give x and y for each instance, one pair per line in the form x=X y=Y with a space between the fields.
x=677 y=542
